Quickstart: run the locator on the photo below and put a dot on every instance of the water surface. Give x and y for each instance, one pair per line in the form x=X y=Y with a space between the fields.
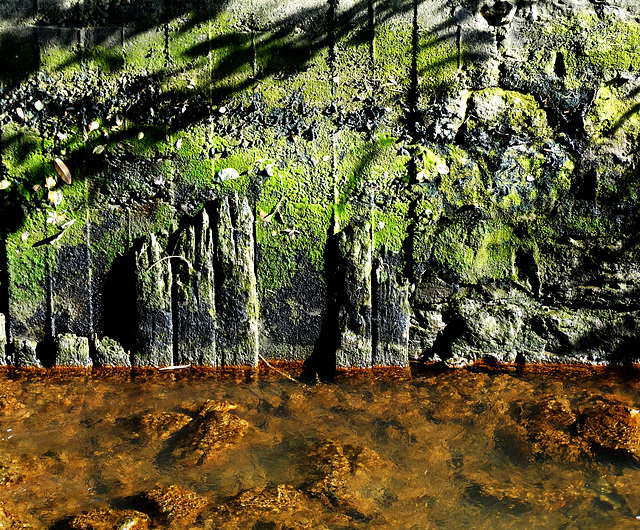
x=467 y=448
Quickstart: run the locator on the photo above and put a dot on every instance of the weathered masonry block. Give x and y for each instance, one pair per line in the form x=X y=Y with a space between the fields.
x=352 y=184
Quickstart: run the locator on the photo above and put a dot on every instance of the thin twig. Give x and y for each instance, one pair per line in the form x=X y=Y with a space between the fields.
x=169 y=257
x=285 y=374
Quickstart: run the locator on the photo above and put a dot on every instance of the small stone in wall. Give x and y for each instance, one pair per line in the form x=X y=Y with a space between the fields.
x=72 y=350
x=228 y=173
x=109 y=352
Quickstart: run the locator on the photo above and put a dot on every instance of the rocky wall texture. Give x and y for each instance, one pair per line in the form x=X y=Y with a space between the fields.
x=351 y=183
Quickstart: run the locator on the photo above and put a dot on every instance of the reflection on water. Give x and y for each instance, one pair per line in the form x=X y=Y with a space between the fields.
x=498 y=447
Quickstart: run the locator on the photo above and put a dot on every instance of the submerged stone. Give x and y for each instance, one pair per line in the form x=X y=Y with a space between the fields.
x=613 y=428
x=107 y=519
x=173 y=504
x=212 y=432
x=153 y=426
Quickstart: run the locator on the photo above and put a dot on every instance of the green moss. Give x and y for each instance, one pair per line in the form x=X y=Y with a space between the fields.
x=353 y=65
x=156 y=218
x=615 y=113
x=437 y=61
x=485 y=250
x=514 y=110
x=390 y=227
x=295 y=61
x=105 y=60
x=28 y=265
x=144 y=51
x=55 y=59
x=189 y=52
x=583 y=48
x=23 y=158
x=231 y=57
x=393 y=52
x=290 y=240
x=611 y=43
x=300 y=169
x=367 y=169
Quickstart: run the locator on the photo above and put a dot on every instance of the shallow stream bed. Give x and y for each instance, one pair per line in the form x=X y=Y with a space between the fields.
x=487 y=447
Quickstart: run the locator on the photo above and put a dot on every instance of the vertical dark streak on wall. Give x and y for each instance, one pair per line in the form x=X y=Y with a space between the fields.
x=89 y=261
x=254 y=65
x=413 y=89
x=412 y=117
x=371 y=30
x=165 y=23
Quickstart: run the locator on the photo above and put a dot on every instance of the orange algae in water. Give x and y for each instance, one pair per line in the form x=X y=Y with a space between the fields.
x=488 y=446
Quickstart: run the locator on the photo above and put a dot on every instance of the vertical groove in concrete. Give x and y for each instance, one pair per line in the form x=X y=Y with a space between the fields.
x=392 y=317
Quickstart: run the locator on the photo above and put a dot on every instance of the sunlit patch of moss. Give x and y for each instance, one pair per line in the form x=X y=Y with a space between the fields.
x=615 y=113
x=390 y=226
x=29 y=261
x=437 y=60
x=293 y=235
x=515 y=111
x=471 y=253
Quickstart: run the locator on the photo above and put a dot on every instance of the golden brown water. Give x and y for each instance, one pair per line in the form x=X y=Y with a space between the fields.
x=485 y=448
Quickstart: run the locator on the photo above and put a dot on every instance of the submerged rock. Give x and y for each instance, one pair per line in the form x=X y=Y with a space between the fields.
x=171 y=503
x=273 y=499
x=213 y=431
x=552 y=428
x=153 y=426
x=270 y=506
x=332 y=467
x=8 y=520
x=12 y=470
x=613 y=428
x=107 y=519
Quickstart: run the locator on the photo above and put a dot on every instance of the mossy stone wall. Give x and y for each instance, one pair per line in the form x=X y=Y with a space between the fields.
x=349 y=183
